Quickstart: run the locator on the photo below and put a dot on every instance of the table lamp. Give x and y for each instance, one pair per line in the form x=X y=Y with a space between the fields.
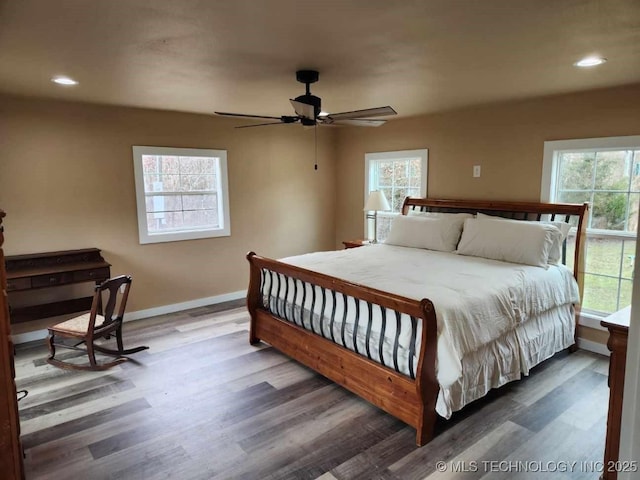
x=376 y=201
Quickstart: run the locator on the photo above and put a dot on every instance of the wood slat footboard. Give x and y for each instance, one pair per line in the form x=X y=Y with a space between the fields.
x=412 y=401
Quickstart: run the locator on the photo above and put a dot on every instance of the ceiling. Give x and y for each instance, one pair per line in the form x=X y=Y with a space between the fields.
x=241 y=55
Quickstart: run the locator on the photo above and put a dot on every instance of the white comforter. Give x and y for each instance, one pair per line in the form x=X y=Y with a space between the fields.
x=476 y=300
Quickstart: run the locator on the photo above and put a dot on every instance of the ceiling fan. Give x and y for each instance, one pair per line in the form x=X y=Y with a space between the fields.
x=309 y=113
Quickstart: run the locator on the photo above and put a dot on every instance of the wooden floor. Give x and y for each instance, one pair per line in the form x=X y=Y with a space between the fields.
x=204 y=404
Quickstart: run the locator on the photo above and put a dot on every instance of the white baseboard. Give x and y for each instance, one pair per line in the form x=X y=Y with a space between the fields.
x=178 y=307
x=149 y=312
x=596 y=347
x=201 y=302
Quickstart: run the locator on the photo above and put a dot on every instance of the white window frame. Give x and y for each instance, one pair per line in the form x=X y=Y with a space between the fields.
x=224 y=230
x=552 y=151
x=423 y=154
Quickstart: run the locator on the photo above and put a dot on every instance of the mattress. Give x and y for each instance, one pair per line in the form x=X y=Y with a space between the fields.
x=482 y=306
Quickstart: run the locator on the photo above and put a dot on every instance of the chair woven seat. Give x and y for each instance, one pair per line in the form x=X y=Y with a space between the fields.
x=79 y=324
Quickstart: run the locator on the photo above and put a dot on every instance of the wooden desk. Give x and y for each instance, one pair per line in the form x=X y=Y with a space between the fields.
x=44 y=270
x=618 y=326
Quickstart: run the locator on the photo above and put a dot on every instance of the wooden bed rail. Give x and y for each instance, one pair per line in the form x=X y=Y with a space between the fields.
x=409 y=399
x=371 y=295
x=473 y=206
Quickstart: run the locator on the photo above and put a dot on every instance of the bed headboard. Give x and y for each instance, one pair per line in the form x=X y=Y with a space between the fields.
x=531 y=211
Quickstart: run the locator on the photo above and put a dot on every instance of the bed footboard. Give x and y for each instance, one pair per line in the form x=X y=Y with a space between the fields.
x=409 y=396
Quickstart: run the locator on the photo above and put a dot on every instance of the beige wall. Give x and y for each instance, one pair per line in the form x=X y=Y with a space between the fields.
x=66 y=178
x=66 y=182
x=598 y=336
x=505 y=139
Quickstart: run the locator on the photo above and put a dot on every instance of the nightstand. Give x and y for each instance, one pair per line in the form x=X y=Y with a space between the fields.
x=355 y=243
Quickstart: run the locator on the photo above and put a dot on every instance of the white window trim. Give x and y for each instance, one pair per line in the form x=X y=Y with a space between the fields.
x=552 y=150
x=423 y=154
x=144 y=236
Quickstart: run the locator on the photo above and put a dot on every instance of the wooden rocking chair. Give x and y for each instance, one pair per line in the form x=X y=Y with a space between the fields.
x=95 y=325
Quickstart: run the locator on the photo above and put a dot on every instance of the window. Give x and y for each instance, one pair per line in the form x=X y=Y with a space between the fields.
x=397 y=175
x=181 y=193
x=605 y=172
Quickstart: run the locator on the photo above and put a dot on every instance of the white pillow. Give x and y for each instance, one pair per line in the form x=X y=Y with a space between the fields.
x=528 y=243
x=433 y=233
x=555 y=253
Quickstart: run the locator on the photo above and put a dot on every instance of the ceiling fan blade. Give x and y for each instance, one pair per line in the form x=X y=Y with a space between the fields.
x=226 y=114
x=369 y=112
x=303 y=110
x=360 y=122
x=263 y=124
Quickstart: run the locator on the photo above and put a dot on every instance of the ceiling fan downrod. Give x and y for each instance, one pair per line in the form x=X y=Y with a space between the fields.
x=307 y=77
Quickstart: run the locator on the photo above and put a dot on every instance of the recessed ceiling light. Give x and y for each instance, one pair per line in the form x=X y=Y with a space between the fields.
x=590 y=62
x=60 y=80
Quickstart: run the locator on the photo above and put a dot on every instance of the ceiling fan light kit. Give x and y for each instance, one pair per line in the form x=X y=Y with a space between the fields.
x=308 y=109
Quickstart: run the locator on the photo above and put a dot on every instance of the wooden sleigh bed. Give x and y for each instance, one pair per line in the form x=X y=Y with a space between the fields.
x=410 y=396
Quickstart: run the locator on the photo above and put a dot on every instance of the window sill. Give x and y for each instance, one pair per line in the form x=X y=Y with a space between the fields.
x=591 y=320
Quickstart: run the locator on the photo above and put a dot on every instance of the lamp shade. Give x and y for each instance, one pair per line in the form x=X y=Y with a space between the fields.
x=376 y=201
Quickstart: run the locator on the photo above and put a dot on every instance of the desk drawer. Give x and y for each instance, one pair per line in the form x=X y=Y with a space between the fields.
x=95 y=274
x=51 y=280
x=18 y=284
